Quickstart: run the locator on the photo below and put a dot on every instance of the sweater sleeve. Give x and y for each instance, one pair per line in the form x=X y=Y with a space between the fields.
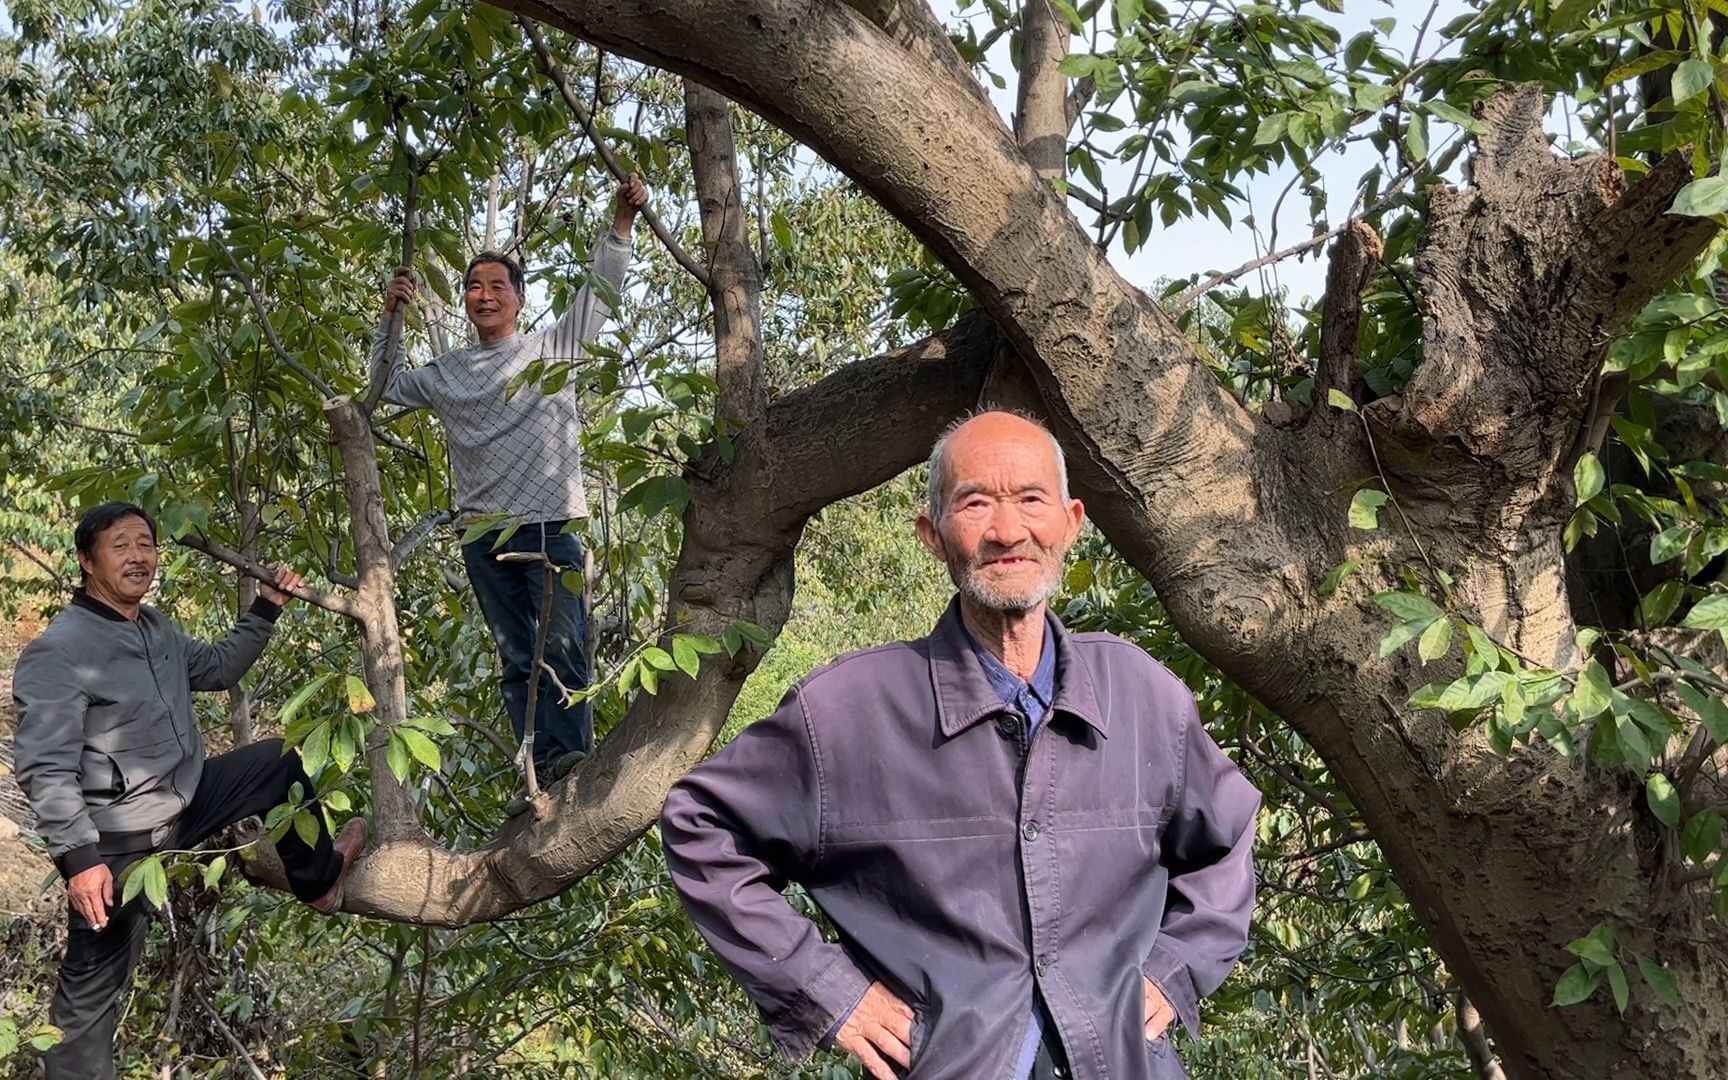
x=409 y=387
x=222 y=664
x=736 y=830
x=51 y=702
x=586 y=316
x=1208 y=847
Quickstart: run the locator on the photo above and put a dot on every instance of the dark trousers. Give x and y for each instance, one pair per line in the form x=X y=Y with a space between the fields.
x=97 y=969
x=510 y=595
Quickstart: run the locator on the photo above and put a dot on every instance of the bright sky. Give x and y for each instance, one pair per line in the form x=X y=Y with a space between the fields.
x=1198 y=244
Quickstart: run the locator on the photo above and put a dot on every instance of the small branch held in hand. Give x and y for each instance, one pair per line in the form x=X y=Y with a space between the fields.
x=580 y=111
x=341 y=605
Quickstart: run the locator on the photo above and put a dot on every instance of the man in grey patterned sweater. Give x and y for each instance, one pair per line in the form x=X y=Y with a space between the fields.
x=517 y=460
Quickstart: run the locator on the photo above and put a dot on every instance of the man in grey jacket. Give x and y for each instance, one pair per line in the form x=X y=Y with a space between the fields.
x=1034 y=855
x=110 y=754
x=517 y=455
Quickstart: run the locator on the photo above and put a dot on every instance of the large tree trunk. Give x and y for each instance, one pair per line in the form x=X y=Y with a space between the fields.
x=1234 y=516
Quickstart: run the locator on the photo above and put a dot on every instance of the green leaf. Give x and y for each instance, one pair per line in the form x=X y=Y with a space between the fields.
x=1659 y=603
x=1702 y=835
x=1271 y=129
x=315 y=749
x=1669 y=543
x=44 y=1037
x=424 y=750
x=1338 y=399
x=1436 y=640
x=155 y=882
x=1691 y=78
x=1659 y=979
x=360 y=700
x=1408 y=605
x=1710 y=613
x=398 y=757
x=1335 y=576
x=1591 y=696
x=1617 y=982
x=8 y=1037
x=1452 y=114
x=1597 y=946
x=1365 y=508
x=1709 y=708
x=1664 y=799
x=658 y=658
x=1587 y=479
x=1416 y=136
x=782 y=230
x=684 y=655
x=1702 y=198
x=1403 y=634
x=1576 y=985
x=306 y=827
x=214 y=871
x=301 y=696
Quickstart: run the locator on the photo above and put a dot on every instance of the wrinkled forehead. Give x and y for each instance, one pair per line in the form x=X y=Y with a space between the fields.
x=489 y=273
x=131 y=527
x=1005 y=459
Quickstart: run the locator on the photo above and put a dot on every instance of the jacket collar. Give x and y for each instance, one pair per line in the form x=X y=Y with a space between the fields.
x=82 y=599
x=964 y=695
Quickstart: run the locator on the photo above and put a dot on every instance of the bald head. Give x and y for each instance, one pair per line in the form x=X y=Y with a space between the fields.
x=989 y=427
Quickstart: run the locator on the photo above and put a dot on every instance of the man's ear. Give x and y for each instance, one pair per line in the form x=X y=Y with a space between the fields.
x=931 y=537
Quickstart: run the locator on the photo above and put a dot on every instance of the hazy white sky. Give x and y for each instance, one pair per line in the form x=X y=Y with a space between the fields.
x=1199 y=244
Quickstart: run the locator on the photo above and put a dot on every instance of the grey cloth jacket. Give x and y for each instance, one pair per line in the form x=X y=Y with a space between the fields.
x=107 y=740
x=966 y=867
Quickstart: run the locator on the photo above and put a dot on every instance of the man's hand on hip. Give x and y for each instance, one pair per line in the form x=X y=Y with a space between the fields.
x=1159 y=1013
x=879 y=1031
x=283 y=591
x=90 y=892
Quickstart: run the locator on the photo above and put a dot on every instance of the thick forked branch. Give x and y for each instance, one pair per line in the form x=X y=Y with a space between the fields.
x=1041 y=116
x=1526 y=276
x=1354 y=254
x=735 y=276
x=580 y=111
x=329 y=601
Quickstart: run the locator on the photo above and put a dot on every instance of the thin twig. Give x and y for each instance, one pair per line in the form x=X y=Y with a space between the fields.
x=59 y=581
x=1303 y=248
x=416 y=535
x=234 y=1041
x=586 y=119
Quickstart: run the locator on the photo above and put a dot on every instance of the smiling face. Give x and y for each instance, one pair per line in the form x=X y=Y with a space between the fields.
x=1005 y=527
x=121 y=564
x=491 y=300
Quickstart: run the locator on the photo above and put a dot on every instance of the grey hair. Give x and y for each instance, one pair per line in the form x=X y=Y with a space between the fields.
x=934 y=493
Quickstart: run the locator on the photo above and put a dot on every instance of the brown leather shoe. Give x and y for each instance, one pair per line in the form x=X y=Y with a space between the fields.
x=349 y=842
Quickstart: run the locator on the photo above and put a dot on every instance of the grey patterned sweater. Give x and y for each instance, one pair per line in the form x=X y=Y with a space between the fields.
x=521 y=456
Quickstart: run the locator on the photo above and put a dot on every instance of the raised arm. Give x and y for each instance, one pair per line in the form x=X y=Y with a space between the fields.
x=583 y=320
x=51 y=703
x=1209 y=850
x=401 y=386
x=736 y=830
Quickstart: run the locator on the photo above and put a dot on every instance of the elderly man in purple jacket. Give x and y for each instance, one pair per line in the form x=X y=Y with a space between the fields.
x=1035 y=857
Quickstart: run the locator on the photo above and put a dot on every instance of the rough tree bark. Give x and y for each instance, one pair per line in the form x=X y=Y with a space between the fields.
x=1233 y=516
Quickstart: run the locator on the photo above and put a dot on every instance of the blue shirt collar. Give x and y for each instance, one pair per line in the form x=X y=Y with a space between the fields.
x=1010 y=686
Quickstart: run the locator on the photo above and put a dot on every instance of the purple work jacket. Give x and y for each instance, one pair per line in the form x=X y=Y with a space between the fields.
x=964 y=865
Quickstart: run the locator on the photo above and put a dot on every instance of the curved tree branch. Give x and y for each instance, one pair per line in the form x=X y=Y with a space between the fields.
x=329 y=601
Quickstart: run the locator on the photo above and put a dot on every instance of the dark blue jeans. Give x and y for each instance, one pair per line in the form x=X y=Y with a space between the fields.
x=509 y=595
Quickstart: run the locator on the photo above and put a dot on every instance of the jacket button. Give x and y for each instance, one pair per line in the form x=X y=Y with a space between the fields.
x=1011 y=726
x=1029 y=830
x=1043 y=964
